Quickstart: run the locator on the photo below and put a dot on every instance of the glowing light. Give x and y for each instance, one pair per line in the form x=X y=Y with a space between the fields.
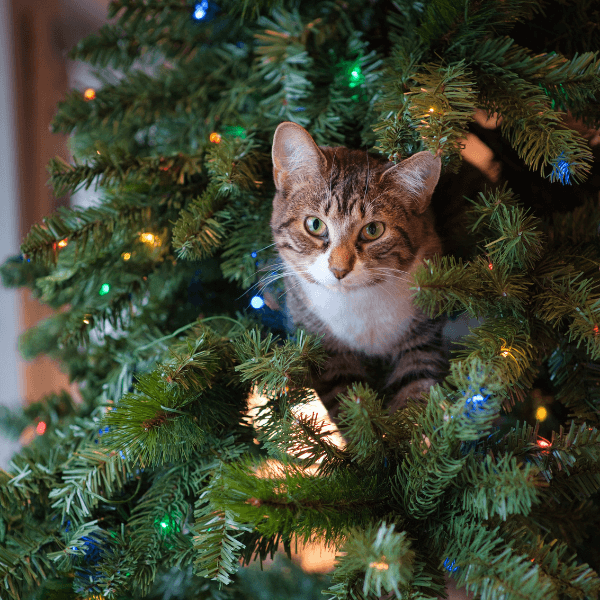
x=126 y=255
x=40 y=428
x=234 y=131
x=257 y=302
x=356 y=76
x=86 y=320
x=432 y=109
x=253 y=255
x=541 y=413
x=164 y=524
x=491 y=266
x=215 y=137
x=147 y=238
x=596 y=330
x=380 y=566
x=449 y=566
x=89 y=94
x=104 y=289
x=200 y=10
x=542 y=443
x=561 y=171
x=63 y=243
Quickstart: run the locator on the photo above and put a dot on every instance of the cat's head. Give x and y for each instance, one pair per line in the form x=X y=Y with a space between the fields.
x=348 y=220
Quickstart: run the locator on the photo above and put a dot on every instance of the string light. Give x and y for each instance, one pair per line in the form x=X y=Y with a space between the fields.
x=432 y=109
x=40 y=428
x=449 y=566
x=234 y=131
x=491 y=266
x=257 y=302
x=147 y=238
x=126 y=256
x=596 y=330
x=561 y=171
x=200 y=10
x=355 y=75
x=380 y=566
x=86 y=320
x=63 y=243
x=215 y=137
x=541 y=413
x=89 y=94
x=542 y=443
x=104 y=289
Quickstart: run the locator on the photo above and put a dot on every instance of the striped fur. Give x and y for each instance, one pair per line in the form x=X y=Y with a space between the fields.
x=353 y=290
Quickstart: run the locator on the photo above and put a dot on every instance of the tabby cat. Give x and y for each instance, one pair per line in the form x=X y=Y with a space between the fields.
x=351 y=229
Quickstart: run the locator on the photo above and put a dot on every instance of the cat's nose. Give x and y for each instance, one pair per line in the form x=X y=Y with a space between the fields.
x=339 y=273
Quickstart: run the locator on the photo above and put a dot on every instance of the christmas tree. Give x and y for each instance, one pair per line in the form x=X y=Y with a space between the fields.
x=159 y=484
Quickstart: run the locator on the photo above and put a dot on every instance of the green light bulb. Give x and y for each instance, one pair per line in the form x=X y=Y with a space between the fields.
x=356 y=76
x=104 y=289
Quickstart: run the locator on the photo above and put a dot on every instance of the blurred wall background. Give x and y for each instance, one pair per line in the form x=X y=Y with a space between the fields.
x=35 y=73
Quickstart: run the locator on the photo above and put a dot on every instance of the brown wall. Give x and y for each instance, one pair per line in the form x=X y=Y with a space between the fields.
x=41 y=81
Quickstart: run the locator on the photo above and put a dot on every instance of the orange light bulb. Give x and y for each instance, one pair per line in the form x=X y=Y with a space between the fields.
x=89 y=94
x=215 y=137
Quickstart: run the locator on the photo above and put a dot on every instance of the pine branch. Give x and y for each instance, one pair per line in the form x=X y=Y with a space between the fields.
x=367 y=428
x=283 y=64
x=441 y=105
x=518 y=242
x=147 y=420
x=216 y=542
x=533 y=129
x=272 y=367
x=23 y=562
x=445 y=284
x=434 y=460
x=114 y=168
x=380 y=556
x=81 y=226
x=484 y=565
x=283 y=500
x=571 y=84
x=499 y=487
x=89 y=477
x=577 y=381
x=452 y=27
x=141 y=99
x=570 y=577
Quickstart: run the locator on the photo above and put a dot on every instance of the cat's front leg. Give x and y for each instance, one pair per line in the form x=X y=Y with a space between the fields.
x=335 y=376
x=422 y=362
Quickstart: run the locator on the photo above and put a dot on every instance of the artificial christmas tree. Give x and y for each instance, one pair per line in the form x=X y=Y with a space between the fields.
x=159 y=483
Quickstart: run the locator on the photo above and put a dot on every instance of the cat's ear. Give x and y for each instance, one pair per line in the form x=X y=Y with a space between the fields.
x=295 y=154
x=417 y=176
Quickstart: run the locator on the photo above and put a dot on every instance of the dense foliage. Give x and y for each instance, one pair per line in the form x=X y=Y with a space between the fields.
x=159 y=484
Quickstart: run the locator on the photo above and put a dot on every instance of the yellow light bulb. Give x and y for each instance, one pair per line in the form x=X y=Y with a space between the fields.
x=63 y=243
x=215 y=138
x=541 y=413
x=126 y=255
x=89 y=94
x=147 y=238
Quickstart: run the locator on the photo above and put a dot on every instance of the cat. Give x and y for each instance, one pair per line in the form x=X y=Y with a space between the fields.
x=350 y=229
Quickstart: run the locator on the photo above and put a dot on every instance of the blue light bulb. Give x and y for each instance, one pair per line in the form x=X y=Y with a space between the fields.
x=561 y=171
x=253 y=255
x=257 y=302
x=200 y=10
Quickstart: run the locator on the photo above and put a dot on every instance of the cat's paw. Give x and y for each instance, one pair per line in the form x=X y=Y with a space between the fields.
x=413 y=390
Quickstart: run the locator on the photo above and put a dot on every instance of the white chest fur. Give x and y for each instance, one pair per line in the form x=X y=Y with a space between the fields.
x=369 y=320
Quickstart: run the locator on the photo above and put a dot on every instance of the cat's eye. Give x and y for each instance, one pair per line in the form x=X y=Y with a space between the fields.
x=372 y=231
x=315 y=226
